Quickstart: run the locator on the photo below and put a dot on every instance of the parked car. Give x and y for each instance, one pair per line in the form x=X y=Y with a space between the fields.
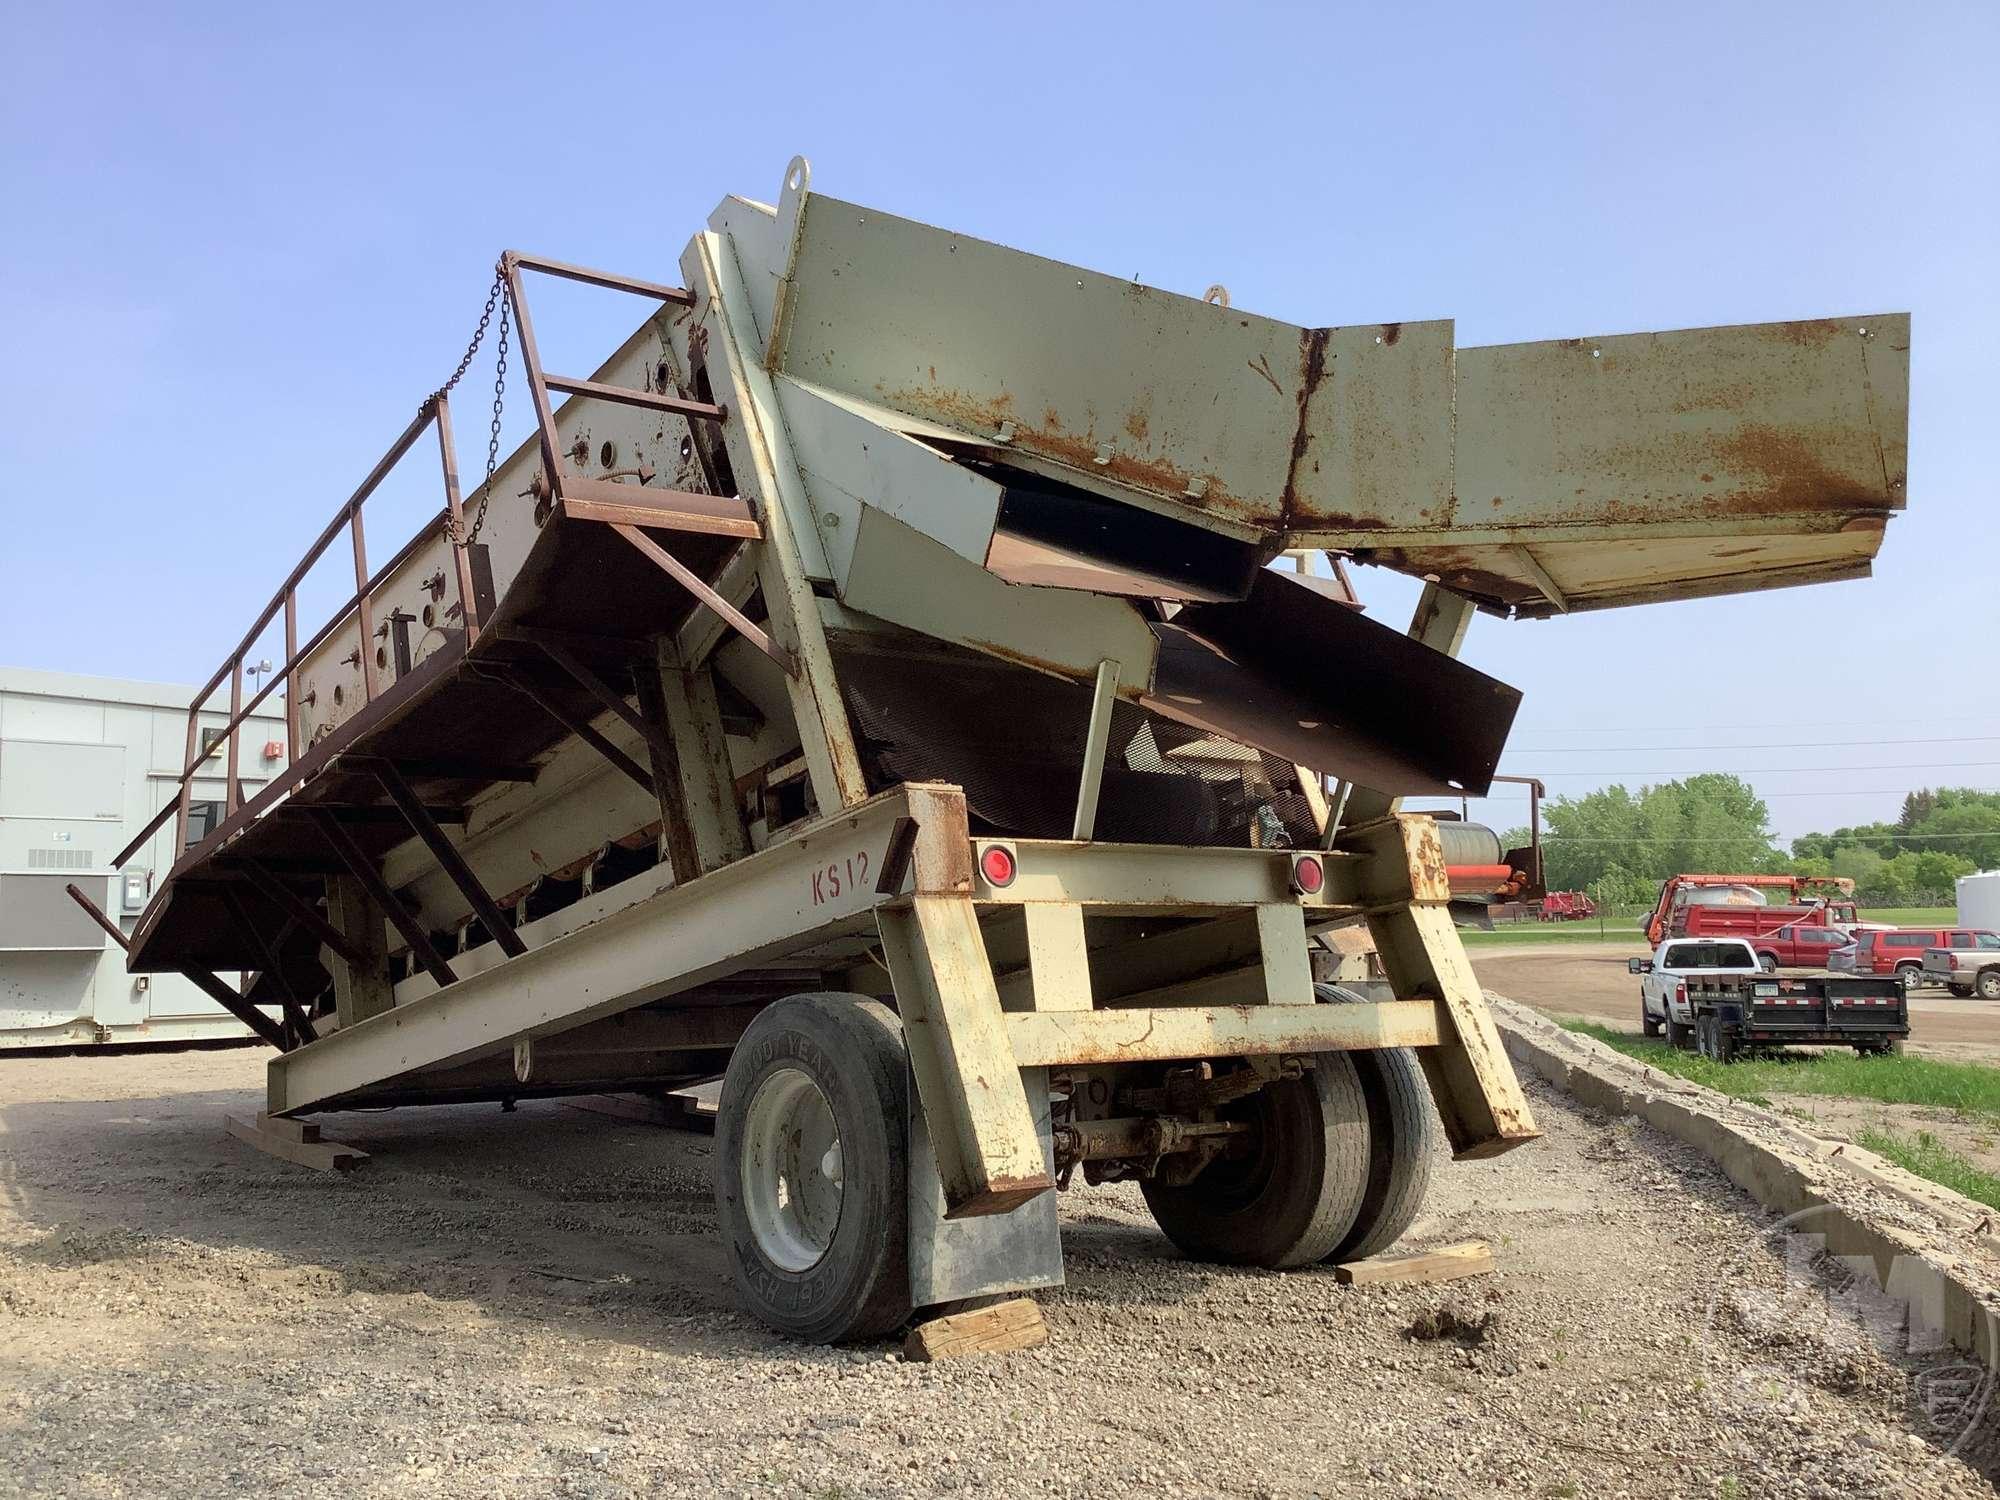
x=1899 y=951
x=1969 y=964
x=1798 y=945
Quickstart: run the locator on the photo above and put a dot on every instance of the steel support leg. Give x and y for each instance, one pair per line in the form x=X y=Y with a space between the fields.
x=1402 y=881
x=988 y=1150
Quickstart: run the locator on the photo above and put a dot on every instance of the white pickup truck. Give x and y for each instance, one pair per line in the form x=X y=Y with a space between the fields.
x=1711 y=994
x=1663 y=990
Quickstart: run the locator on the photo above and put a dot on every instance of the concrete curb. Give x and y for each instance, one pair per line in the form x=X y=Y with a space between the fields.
x=1933 y=1248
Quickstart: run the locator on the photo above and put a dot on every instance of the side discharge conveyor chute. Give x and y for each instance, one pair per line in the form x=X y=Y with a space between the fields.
x=1058 y=468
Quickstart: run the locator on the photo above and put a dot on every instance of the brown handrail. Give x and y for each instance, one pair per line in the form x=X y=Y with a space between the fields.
x=356 y=607
x=435 y=409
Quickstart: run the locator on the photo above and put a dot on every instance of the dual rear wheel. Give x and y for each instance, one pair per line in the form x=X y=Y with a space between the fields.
x=1334 y=1167
x=812 y=1167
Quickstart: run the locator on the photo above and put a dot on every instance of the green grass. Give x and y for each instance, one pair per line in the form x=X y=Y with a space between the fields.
x=1507 y=934
x=1927 y=1156
x=1966 y=1088
x=1625 y=927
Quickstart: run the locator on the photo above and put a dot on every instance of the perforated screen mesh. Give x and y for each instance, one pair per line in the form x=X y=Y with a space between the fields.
x=1013 y=738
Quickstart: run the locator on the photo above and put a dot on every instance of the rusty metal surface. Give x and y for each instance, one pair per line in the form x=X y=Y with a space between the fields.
x=1397 y=715
x=1046 y=1038
x=1535 y=478
x=1243 y=418
x=1665 y=465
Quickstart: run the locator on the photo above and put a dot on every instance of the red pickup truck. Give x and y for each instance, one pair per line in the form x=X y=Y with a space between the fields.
x=1902 y=951
x=1799 y=945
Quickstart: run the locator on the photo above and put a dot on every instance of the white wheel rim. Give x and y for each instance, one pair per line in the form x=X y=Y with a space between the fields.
x=791 y=1170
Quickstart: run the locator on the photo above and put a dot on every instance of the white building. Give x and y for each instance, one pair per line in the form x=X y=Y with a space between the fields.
x=85 y=762
x=1979 y=900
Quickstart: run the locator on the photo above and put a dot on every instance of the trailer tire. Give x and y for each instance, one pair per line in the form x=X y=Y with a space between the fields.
x=1297 y=1190
x=835 y=1060
x=1402 y=1141
x=1721 y=1042
x=1962 y=991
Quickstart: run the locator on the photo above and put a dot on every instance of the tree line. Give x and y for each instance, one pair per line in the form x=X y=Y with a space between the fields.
x=1620 y=844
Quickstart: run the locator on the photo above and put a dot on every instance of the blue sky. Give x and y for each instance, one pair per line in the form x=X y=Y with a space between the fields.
x=239 y=243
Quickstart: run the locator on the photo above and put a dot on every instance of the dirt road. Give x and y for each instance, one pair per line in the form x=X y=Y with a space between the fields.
x=534 y=1304
x=1589 y=979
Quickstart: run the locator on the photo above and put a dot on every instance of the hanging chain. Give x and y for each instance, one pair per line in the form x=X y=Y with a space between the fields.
x=495 y=298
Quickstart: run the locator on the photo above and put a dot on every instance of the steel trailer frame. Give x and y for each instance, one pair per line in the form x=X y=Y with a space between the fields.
x=891 y=887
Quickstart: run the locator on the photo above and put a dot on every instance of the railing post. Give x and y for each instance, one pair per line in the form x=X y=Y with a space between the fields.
x=364 y=612
x=455 y=509
x=291 y=664
x=230 y=798
x=531 y=361
x=187 y=780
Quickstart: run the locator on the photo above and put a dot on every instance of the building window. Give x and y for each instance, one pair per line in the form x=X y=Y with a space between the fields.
x=203 y=819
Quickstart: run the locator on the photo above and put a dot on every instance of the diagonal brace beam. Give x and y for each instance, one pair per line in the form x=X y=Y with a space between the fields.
x=295 y=1014
x=305 y=912
x=453 y=863
x=579 y=726
x=201 y=979
x=653 y=733
x=362 y=868
x=688 y=579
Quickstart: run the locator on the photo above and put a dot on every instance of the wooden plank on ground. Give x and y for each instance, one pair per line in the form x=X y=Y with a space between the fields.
x=295 y=1141
x=641 y=1107
x=703 y=1099
x=691 y=1108
x=1014 y=1324
x=1447 y=1263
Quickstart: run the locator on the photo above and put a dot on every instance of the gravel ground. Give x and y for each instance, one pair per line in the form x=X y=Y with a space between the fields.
x=533 y=1304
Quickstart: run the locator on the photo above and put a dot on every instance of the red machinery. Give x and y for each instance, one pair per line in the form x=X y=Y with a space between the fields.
x=1567 y=906
x=1682 y=891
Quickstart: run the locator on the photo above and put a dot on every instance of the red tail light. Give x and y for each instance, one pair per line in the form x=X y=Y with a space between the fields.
x=1308 y=874
x=1681 y=993
x=996 y=864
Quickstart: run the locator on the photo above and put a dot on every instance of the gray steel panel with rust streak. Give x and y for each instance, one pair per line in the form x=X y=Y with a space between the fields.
x=1668 y=465
x=970 y=334
x=1795 y=433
